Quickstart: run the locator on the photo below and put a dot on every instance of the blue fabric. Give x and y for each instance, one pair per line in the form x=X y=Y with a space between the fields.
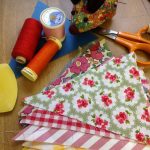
x=71 y=43
x=40 y=6
x=16 y=67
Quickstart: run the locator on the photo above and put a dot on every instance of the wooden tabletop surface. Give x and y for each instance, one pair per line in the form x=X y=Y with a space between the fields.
x=130 y=17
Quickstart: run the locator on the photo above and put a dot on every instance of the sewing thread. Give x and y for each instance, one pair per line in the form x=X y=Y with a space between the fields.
x=53 y=20
x=41 y=59
x=27 y=41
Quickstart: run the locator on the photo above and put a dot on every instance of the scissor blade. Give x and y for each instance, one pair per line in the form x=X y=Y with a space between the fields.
x=106 y=32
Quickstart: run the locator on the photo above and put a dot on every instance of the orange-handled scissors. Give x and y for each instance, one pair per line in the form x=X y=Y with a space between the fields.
x=133 y=42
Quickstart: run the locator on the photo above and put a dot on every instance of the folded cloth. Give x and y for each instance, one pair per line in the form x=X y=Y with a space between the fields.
x=144 y=81
x=49 y=119
x=45 y=118
x=114 y=88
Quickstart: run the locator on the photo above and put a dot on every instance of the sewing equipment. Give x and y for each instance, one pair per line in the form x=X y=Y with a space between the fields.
x=88 y=99
x=53 y=21
x=41 y=59
x=89 y=14
x=134 y=42
x=27 y=41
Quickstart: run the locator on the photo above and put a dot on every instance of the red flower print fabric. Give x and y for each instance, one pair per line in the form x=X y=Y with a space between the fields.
x=80 y=65
x=122 y=117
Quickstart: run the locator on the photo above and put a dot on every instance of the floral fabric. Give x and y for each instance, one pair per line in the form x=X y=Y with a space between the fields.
x=95 y=53
x=109 y=97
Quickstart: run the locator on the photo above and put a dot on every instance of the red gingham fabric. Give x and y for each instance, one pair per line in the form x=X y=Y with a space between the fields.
x=45 y=118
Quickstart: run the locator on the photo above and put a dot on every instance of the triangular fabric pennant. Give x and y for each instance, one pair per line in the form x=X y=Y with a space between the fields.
x=110 y=92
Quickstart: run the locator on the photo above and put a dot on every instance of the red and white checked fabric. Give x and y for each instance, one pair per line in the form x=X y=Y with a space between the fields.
x=49 y=119
x=76 y=139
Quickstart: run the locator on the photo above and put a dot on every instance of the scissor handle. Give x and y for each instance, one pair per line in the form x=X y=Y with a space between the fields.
x=134 y=46
x=136 y=37
x=145 y=29
x=142 y=47
x=128 y=36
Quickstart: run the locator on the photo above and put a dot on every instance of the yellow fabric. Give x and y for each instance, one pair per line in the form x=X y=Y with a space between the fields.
x=56 y=147
x=26 y=148
x=8 y=88
x=43 y=146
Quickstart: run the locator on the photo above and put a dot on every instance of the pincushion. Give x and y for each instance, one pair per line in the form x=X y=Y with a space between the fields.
x=89 y=14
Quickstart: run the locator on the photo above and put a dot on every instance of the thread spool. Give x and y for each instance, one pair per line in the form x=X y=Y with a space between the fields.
x=53 y=20
x=27 y=41
x=41 y=59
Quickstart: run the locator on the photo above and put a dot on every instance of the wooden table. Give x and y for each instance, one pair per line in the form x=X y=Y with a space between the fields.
x=130 y=17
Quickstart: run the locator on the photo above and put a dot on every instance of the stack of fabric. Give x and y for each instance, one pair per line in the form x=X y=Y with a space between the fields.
x=98 y=102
